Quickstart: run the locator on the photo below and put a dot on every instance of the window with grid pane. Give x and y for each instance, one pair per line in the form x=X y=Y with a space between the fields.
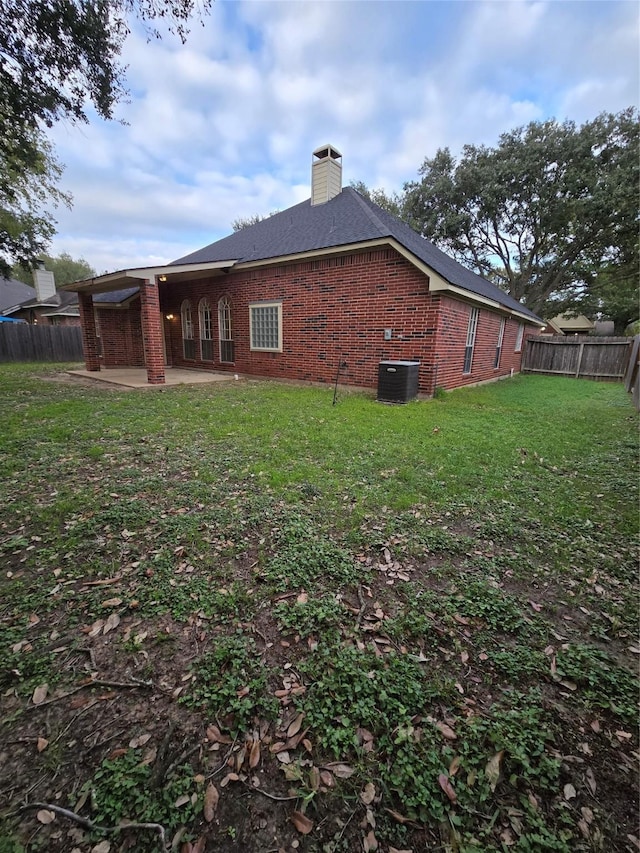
x=206 y=330
x=471 y=340
x=225 y=330
x=265 y=320
x=188 y=343
x=496 y=363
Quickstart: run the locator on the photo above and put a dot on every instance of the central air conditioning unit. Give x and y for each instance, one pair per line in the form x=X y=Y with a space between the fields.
x=397 y=381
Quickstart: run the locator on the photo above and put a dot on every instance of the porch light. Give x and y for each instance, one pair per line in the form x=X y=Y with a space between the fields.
x=169 y=316
x=162 y=278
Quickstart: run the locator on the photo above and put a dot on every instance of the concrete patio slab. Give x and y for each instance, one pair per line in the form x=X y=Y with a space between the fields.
x=136 y=377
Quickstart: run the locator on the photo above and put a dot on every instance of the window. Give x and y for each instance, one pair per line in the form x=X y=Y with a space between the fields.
x=265 y=322
x=471 y=340
x=206 y=330
x=225 y=330
x=519 y=337
x=496 y=364
x=188 y=344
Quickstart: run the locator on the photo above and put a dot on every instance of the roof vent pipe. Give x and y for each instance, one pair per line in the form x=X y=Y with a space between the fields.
x=326 y=174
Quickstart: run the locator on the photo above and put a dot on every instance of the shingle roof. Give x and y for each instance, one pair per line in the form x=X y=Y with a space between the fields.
x=348 y=218
x=115 y=296
x=13 y=292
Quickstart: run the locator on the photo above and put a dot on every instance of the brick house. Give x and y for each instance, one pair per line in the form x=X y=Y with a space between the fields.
x=42 y=304
x=331 y=280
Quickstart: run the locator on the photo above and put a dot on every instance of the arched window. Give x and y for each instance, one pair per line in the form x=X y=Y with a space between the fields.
x=206 y=330
x=225 y=330
x=188 y=344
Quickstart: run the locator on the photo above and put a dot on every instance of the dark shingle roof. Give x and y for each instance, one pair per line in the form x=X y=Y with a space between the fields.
x=347 y=218
x=115 y=297
x=13 y=292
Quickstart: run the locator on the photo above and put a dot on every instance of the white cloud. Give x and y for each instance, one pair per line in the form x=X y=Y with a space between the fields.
x=225 y=126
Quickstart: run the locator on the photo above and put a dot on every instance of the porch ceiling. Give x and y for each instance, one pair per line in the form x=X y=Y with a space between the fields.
x=173 y=273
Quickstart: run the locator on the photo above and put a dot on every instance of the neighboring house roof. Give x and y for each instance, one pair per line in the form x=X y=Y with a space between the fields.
x=571 y=325
x=12 y=292
x=346 y=219
x=61 y=303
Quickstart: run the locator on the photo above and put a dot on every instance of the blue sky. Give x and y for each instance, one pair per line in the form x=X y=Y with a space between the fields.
x=224 y=126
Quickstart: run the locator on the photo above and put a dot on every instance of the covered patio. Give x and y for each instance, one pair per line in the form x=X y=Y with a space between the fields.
x=146 y=280
x=136 y=377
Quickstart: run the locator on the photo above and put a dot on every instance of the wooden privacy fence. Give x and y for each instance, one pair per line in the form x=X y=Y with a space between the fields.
x=579 y=356
x=23 y=342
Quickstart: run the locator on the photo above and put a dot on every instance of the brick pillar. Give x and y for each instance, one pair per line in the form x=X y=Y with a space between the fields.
x=89 y=337
x=152 y=332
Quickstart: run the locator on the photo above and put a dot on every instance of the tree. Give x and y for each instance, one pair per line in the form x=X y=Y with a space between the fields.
x=28 y=183
x=544 y=213
x=391 y=203
x=246 y=221
x=56 y=59
x=64 y=268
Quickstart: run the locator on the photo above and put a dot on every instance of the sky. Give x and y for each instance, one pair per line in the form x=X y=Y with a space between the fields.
x=224 y=126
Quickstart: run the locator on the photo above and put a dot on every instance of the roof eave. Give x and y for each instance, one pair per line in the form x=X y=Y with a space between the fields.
x=122 y=278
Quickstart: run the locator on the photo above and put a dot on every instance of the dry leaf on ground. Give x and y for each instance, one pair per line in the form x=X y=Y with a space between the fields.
x=40 y=694
x=368 y=794
x=211 y=798
x=302 y=823
x=45 y=816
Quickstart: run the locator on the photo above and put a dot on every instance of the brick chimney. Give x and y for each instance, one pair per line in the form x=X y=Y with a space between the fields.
x=326 y=174
x=44 y=282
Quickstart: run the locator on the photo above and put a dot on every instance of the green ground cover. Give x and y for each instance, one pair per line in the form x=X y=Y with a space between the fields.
x=264 y=622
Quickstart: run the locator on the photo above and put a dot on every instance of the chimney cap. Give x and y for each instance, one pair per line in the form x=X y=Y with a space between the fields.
x=327 y=151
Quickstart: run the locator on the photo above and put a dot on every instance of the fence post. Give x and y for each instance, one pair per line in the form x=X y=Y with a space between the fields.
x=580 y=354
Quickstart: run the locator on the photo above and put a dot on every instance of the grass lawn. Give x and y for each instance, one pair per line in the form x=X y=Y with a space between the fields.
x=266 y=623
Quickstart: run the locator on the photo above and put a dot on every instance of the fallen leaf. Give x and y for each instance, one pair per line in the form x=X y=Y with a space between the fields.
x=569 y=791
x=112 y=622
x=112 y=602
x=395 y=850
x=296 y=725
x=211 y=798
x=461 y=620
x=182 y=801
x=102 y=847
x=454 y=766
x=464 y=656
x=43 y=743
x=230 y=777
x=40 y=694
x=243 y=691
x=368 y=794
x=215 y=735
x=283 y=757
x=591 y=780
x=492 y=770
x=135 y=742
x=45 y=816
x=369 y=842
x=327 y=778
x=342 y=771
x=446 y=730
x=303 y=598
x=622 y=736
x=447 y=787
x=254 y=754
x=302 y=823
x=537 y=607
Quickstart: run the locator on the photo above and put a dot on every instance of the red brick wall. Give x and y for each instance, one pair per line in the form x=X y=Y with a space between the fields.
x=452 y=336
x=333 y=309
x=120 y=333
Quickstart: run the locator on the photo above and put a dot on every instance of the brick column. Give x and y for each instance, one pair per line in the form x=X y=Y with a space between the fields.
x=89 y=337
x=152 y=332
